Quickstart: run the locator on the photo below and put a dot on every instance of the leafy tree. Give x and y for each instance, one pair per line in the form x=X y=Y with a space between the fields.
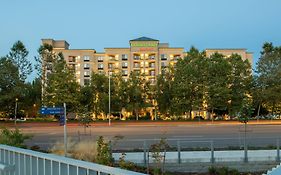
x=61 y=85
x=189 y=83
x=268 y=80
x=240 y=82
x=164 y=91
x=85 y=101
x=99 y=86
x=136 y=94
x=18 y=55
x=10 y=85
x=31 y=97
x=218 y=93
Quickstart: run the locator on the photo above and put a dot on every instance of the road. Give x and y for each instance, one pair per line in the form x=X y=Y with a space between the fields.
x=190 y=134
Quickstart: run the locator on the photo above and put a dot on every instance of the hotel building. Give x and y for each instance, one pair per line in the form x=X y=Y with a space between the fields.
x=145 y=55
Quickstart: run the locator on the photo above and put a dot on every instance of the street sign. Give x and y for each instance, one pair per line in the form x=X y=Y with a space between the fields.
x=51 y=111
x=61 y=120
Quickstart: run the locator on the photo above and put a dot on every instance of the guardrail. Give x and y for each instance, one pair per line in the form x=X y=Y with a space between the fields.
x=18 y=161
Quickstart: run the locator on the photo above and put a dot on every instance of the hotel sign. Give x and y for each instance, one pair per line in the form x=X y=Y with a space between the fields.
x=144 y=44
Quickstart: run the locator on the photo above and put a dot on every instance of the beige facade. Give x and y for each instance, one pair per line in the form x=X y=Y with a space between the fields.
x=145 y=55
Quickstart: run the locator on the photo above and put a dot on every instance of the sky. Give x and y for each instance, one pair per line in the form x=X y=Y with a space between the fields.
x=96 y=24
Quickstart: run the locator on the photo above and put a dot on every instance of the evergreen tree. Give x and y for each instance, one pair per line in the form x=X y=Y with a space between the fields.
x=18 y=55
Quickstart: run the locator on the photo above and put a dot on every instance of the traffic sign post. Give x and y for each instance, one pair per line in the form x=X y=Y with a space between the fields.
x=51 y=111
x=62 y=120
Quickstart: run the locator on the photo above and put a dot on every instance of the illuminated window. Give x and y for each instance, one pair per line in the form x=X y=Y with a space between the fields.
x=86 y=58
x=100 y=59
x=87 y=74
x=124 y=64
x=100 y=66
x=124 y=57
x=86 y=66
x=163 y=57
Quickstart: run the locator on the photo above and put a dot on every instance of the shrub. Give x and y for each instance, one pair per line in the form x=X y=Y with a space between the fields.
x=13 y=138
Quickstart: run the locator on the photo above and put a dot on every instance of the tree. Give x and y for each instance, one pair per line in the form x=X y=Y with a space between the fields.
x=61 y=85
x=18 y=55
x=99 y=86
x=240 y=83
x=189 y=83
x=85 y=101
x=31 y=97
x=10 y=85
x=164 y=91
x=136 y=94
x=268 y=80
x=218 y=93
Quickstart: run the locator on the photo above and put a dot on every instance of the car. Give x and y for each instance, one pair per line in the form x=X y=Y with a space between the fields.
x=198 y=117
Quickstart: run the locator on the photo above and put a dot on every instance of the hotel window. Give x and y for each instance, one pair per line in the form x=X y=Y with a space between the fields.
x=86 y=82
x=151 y=57
x=124 y=65
x=163 y=57
x=151 y=65
x=100 y=66
x=86 y=66
x=136 y=57
x=124 y=57
x=100 y=59
x=152 y=73
x=137 y=72
x=86 y=58
x=136 y=65
x=71 y=59
x=163 y=64
x=177 y=57
x=124 y=72
x=87 y=74
x=110 y=66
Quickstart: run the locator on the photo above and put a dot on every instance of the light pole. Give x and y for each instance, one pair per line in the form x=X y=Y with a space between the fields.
x=109 y=122
x=16 y=112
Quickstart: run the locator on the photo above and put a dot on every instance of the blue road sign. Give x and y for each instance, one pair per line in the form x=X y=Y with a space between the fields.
x=61 y=120
x=51 y=111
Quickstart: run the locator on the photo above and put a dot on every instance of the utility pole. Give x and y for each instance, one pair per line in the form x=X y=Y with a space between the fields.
x=65 y=131
x=109 y=122
x=16 y=112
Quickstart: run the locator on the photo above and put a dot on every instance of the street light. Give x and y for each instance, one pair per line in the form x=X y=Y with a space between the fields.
x=109 y=122
x=16 y=111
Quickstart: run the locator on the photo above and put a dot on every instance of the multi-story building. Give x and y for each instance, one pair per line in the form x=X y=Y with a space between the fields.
x=145 y=55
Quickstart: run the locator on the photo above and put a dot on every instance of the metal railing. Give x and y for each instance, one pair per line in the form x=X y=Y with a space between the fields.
x=17 y=161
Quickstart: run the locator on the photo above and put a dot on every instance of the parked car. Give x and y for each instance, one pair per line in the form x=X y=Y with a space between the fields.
x=198 y=118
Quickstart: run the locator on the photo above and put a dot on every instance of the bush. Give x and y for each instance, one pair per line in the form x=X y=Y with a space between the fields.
x=222 y=171
x=13 y=138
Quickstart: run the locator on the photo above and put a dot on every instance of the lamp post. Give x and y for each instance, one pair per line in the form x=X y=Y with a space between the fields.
x=109 y=122
x=16 y=105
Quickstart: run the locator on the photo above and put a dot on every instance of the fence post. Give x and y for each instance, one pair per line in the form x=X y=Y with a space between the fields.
x=179 y=151
x=144 y=151
x=212 y=152
x=278 y=151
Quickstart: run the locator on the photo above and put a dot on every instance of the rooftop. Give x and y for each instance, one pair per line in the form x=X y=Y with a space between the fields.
x=144 y=39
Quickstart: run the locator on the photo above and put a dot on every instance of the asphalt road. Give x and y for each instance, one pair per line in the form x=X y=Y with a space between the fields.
x=190 y=134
